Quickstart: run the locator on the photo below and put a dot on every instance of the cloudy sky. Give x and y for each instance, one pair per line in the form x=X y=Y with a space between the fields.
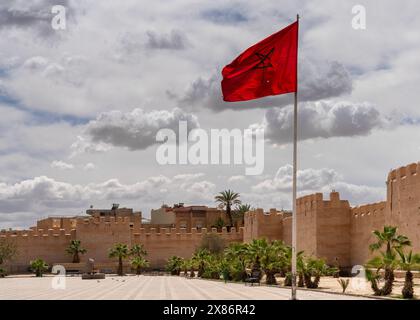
x=80 y=107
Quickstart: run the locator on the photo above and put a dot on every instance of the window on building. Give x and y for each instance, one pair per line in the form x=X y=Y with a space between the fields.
x=56 y=223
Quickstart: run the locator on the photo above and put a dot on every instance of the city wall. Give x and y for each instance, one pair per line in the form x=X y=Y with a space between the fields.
x=403 y=202
x=97 y=236
x=364 y=220
x=32 y=244
x=326 y=228
x=333 y=230
x=172 y=242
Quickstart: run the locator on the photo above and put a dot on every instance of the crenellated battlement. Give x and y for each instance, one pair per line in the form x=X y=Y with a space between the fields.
x=38 y=234
x=316 y=197
x=401 y=173
x=173 y=233
x=102 y=223
x=372 y=209
x=273 y=213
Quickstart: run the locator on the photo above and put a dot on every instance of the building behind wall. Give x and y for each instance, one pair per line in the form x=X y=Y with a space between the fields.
x=188 y=217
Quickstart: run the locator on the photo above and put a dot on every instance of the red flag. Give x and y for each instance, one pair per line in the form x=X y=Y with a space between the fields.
x=265 y=69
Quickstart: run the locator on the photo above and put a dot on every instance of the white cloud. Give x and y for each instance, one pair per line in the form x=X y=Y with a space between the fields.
x=135 y=130
x=188 y=176
x=236 y=179
x=58 y=164
x=43 y=195
x=89 y=166
x=200 y=191
x=314 y=180
x=308 y=179
x=175 y=40
x=84 y=145
x=321 y=119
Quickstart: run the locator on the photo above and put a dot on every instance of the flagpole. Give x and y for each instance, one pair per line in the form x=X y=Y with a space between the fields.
x=294 y=216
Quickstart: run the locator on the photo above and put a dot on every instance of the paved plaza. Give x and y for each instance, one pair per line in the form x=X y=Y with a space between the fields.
x=147 y=287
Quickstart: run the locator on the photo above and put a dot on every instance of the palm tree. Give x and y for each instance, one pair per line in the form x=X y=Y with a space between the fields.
x=212 y=267
x=387 y=261
x=75 y=249
x=313 y=269
x=219 y=224
x=138 y=263
x=38 y=266
x=227 y=199
x=389 y=238
x=200 y=257
x=288 y=268
x=236 y=253
x=174 y=265
x=225 y=268
x=138 y=250
x=120 y=251
x=407 y=263
x=185 y=266
x=254 y=253
x=193 y=266
x=272 y=260
x=240 y=211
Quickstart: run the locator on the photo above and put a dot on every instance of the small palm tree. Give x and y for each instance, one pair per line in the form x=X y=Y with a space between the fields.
x=254 y=253
x=200 y=258
x=138 y=250
x=344 y=283
x=75 y=249
x=225 y=268
x=287 y=251
x=388 y=238
x=38 y=266
x=186 y=266
x=407 y=263
x=387 y=262
x=240 y=211
x=138 y=263
x=219 y=223
x=236 y=253
x=174 y=265
x=313 y=269
x=120 y=251
x=227 y=199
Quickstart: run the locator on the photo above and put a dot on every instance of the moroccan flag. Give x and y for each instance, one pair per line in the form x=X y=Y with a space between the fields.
x=265 y=69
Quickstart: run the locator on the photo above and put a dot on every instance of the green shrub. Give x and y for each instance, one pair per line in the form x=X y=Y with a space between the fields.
x=38 y=266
